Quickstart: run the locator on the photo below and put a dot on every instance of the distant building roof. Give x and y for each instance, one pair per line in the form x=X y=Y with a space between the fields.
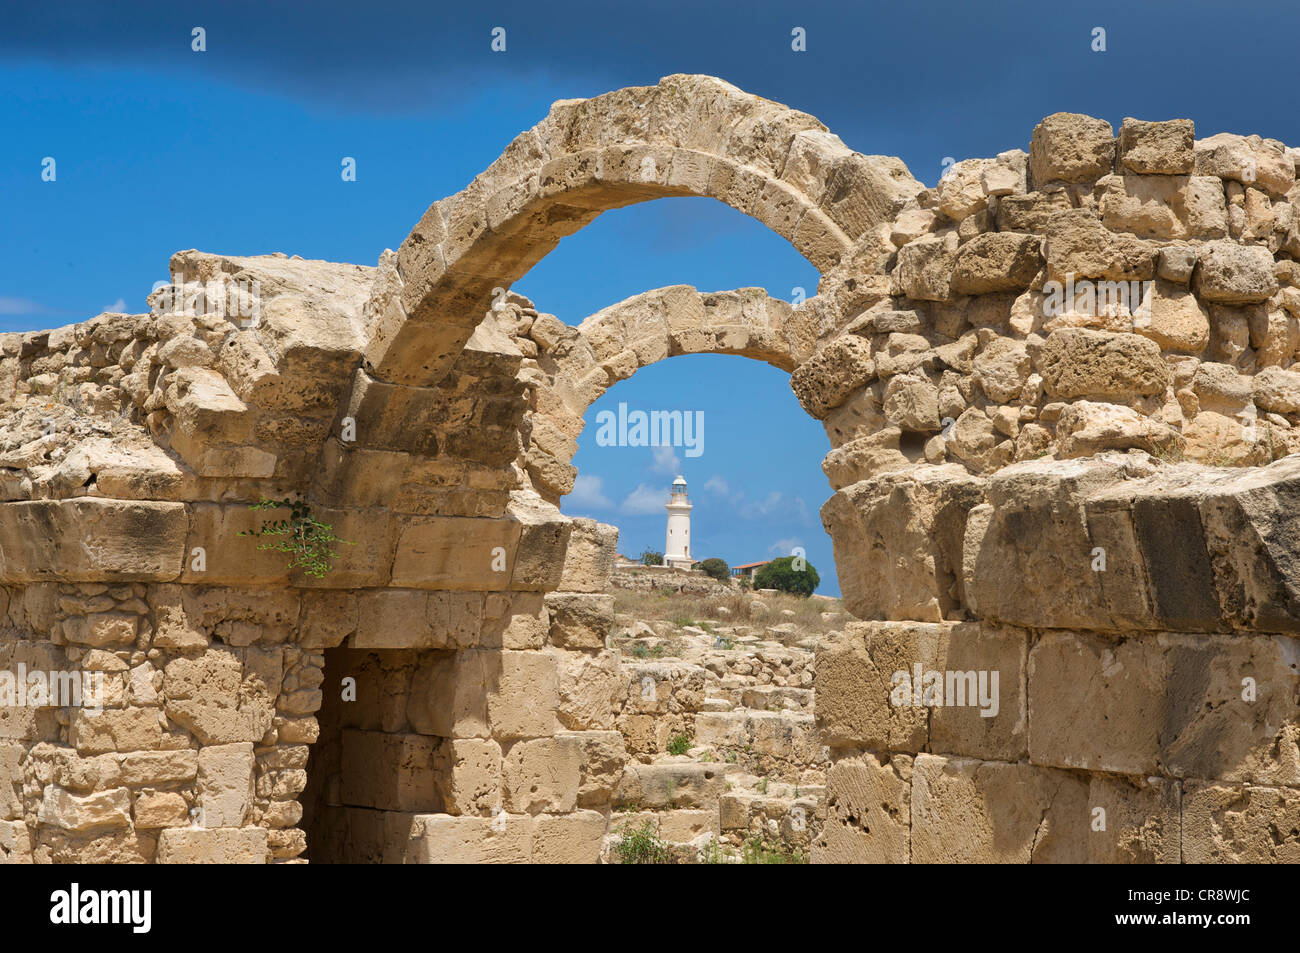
x=751 y=565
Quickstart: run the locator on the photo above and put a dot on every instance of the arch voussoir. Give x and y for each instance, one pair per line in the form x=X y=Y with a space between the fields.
x=686 y=136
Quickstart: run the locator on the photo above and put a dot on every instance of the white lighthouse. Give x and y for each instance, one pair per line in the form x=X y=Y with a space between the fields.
x=677 y=548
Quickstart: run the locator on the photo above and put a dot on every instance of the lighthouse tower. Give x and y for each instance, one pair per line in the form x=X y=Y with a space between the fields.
x=677 y=549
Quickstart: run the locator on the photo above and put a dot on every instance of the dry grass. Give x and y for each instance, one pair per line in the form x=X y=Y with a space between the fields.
x=681 y=609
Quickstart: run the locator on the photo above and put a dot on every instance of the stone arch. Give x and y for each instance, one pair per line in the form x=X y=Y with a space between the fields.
x=580 y=363
x=687 y=135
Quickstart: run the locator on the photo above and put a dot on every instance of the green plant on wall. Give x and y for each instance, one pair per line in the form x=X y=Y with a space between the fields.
x=306 y=539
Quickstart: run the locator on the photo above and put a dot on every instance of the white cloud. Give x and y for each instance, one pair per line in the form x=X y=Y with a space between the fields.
x=588 y=493
x=717 y=485
x=666 y=462
x=784 y=547
x=20 y=306
x=760 y=509
x=645 y=499
x=117 y=307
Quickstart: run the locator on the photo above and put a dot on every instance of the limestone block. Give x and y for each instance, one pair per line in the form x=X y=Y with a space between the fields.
x=389 y=772
x=1088 y=427
x=157 y=809
x=130 y=729
x=573 y=838
x=1001 y=369
x=90 y=539
x=148 y=768
x=455 y=553
x=996 y=261
x=1177 y=320
x=864 y=192
x=580 y=620
x=1164 y=206
x=868 y=812
x=603 y=756
x=11 y=781
x=523 y=701
x=925 y=267
x=542 y=775
x=447 y=697
x=515 y=621
x=960 y=190
x=589 y=556
x=1277 y=390
x=967 y=811
x=212 y=696
x=102 y=811
x=443 y=839
x=589 y=690
x=1234 y=274
x=1077 y=362
x=919 y=517
x=912 y=403
x=864 y=457
x=1035 y=510
x=1240 y=824
x=1249 y=160
x=1030 y=212
x=414 y=618
x=1162 y=148
x=225 y=789
x=667 y=786
x=829 y=377
x=854 y=678
x=1072 y=148
x=1080 y=246
x=189 y=845
x=468 y=775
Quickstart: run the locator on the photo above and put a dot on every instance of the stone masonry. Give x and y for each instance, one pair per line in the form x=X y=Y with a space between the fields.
x=1061 y=393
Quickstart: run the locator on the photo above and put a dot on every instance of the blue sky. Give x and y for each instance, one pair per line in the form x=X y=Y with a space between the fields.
x=237 y=149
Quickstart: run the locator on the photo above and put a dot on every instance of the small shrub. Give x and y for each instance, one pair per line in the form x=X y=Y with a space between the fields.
x=651 y=557
x=782 y=575
x=715 y=567
x=641 y=845
x=308 y=541
x=679 y=744
x=758 y=850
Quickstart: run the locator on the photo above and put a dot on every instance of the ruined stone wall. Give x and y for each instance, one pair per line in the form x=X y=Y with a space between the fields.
x=1140 y=610
x=987 y=444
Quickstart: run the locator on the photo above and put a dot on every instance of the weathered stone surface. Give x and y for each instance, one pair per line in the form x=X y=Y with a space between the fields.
x=88 y=539
x=1080 y=246
x=1077 y=362
x=920 y=513
x=1239 y=824
x=1246 y=159
x=996 y=261
x=830 y=376
x=1234 y=274
x=1072 y=148
x=1139 y=613
x=1164 y=206
x=1163 y=148
x=925 y=267
x=869 y=812
x=185 y=845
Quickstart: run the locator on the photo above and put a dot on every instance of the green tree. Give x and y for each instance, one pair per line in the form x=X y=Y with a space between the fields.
x=716 y=568
x=650 y=557
x=784 y=575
